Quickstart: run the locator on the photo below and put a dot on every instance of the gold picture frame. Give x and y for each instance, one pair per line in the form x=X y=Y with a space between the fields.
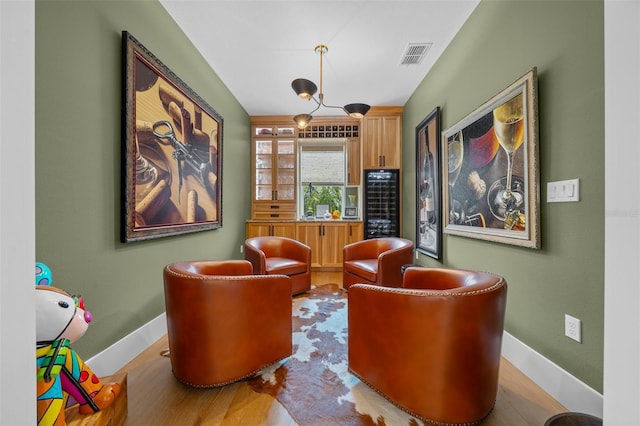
x=491 y=174
x=172 y=151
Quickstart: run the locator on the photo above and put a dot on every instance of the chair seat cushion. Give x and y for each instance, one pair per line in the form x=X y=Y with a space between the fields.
x=284 y=266
x=365 y=268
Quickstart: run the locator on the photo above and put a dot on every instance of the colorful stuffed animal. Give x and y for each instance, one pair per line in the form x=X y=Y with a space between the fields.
x=61 y=319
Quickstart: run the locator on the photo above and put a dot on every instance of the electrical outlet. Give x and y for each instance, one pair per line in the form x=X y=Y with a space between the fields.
x=241 y=249
x=563 y=191
x=572 y=328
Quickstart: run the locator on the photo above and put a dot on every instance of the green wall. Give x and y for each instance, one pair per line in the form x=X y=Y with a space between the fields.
x=500 y=42
x=78 y=148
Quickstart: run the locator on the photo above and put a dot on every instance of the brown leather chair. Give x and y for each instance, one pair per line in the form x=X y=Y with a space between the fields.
x=433 y=347
x=223 y=322
x=376 y=261
x=280 y=255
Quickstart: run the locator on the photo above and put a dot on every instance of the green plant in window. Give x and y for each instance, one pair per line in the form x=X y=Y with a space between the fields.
x=330 y=195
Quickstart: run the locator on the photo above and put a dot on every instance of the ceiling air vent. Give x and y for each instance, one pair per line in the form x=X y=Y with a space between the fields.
x=415 y=53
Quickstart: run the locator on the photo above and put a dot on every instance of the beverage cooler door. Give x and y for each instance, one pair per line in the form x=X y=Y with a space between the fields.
x=382 y=203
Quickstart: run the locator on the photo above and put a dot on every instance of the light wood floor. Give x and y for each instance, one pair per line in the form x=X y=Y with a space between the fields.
x=156 y=398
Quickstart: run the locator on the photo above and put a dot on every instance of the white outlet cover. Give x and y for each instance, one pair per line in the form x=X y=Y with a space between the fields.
x=573 y=328
x=563 y=191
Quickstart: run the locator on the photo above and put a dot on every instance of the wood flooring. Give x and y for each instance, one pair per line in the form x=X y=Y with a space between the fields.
x=156 y=398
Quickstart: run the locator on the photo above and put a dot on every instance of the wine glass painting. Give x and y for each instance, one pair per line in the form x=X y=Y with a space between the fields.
x=491 y=157
x=428 y=191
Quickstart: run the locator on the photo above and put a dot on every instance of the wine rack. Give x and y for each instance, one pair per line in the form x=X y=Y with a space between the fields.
x=330 y=131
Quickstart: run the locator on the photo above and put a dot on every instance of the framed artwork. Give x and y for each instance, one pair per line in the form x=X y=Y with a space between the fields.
x=172 y=151
x=322 y=210
x=428 y=186
x=492 y=175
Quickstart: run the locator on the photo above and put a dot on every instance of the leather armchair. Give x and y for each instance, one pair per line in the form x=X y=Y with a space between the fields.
x=376 y=261
x=280 y=255
x=433 y=347
x=223 y=323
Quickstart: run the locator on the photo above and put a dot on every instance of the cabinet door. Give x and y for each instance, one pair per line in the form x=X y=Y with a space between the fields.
x=310 y=234
x=278 y=229
x=287 y=230
x=382 y=142
x=355 y=232
x=285 y=173
x=353 y=161
x=255 y=229
x=391 y=146
x=334 y=237
x=372 y=135
x=264 y=171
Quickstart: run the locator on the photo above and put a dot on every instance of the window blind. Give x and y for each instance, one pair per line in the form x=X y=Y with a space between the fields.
x=322 y=163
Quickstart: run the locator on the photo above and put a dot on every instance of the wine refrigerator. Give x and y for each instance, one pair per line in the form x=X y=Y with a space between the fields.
x=381 y=203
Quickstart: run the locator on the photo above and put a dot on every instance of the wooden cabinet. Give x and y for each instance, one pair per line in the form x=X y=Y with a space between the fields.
x=382 y=138
x=273 y=153
x=327 y=239
x=353 y=162
x=269 y=228
x=355 y=232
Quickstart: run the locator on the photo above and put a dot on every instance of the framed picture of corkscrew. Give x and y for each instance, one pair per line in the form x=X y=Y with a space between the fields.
x=491 y=161
x=172 y=151
x=428 y=186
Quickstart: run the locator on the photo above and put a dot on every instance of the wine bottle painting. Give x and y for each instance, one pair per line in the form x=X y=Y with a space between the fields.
x=490 y=158
x=429 y=223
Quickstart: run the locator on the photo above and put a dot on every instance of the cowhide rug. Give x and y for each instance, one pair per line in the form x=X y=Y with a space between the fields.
x=314 y=384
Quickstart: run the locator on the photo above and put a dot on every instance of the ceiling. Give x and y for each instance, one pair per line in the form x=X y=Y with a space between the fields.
x=258 y=47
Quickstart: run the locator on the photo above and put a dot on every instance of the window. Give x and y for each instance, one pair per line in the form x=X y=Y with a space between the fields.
x=322 y=168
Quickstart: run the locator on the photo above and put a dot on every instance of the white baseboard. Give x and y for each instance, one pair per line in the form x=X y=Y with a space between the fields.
x=568 y=390
x=565 y=388
x=124 y=350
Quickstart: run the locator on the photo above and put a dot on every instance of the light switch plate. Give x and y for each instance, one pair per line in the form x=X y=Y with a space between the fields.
x=563 y=191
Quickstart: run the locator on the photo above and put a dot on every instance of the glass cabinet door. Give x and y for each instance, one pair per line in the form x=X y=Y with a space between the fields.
x=286 y=172
x=275 y=163
x=264 y=170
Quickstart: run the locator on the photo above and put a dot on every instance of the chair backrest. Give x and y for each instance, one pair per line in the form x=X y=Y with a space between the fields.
x=214 y=267
x=273 y=246
x=454 y=280
x=374 y=247
x=223 y=322
x=446 y=326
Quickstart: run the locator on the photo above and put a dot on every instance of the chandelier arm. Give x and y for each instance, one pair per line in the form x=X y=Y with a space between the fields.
x=332 y=106
x=316 y=108
x=317 y=102
x=303 y=85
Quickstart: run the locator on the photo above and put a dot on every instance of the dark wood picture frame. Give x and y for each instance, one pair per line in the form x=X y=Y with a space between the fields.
x=172 y=151
x=428 y=186
x=474 y=203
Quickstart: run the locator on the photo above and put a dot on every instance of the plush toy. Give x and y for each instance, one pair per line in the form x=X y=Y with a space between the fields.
x=61 y=320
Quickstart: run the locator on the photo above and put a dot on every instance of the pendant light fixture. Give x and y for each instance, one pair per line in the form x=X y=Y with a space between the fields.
x=306 y=90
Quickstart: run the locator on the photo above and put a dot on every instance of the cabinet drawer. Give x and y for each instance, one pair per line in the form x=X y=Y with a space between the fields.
x=274 y=207
x=274 y=210
x=276 y=214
